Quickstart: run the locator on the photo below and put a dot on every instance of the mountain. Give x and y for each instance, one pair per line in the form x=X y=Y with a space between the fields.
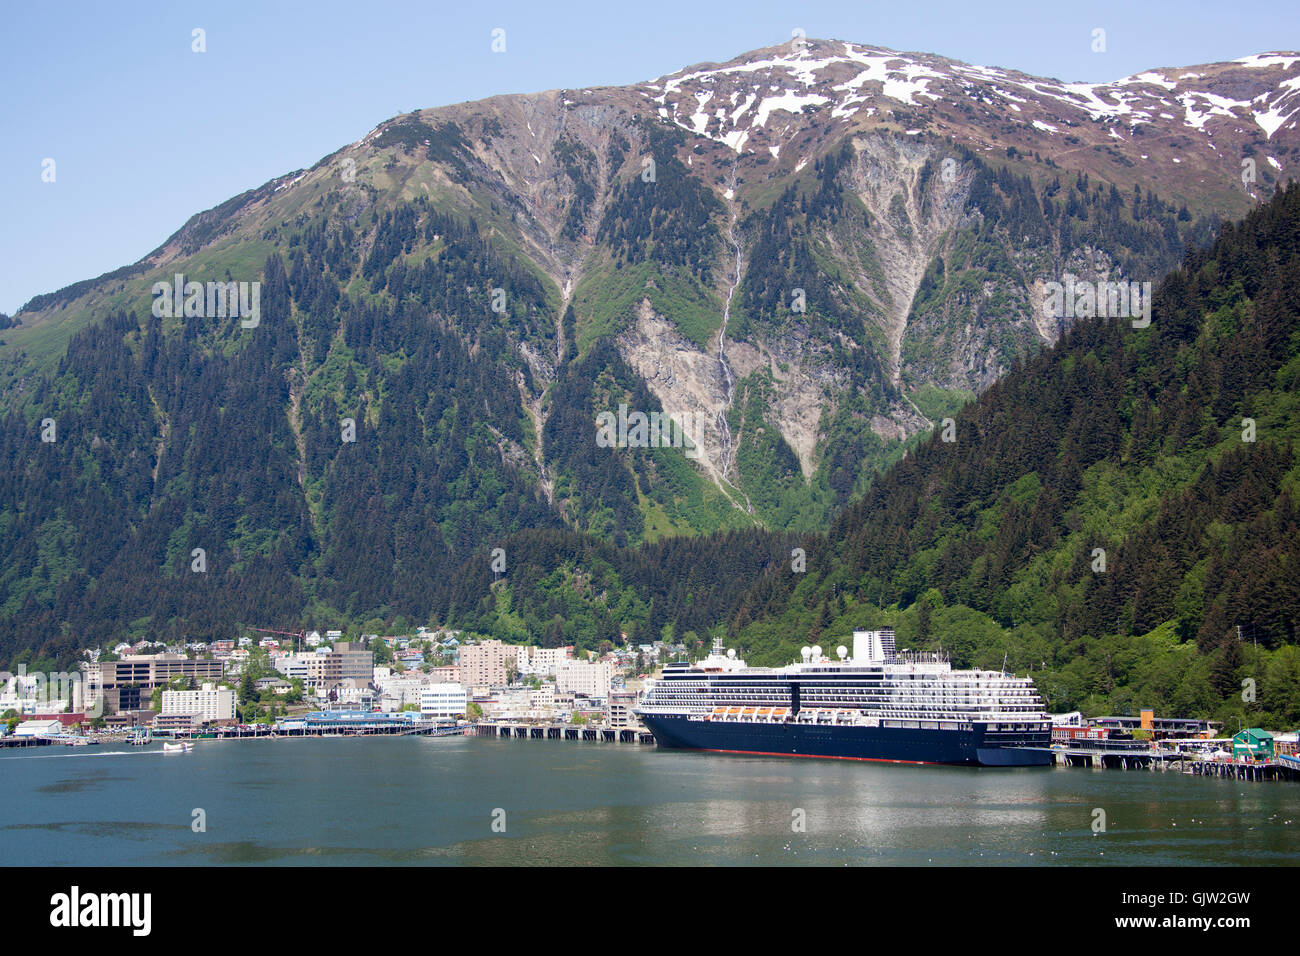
x=1120 y=513
x=1118 y=516
x=812 y=252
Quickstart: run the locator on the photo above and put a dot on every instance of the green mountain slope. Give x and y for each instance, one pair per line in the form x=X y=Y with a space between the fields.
x=815 y=276
x=1109 y=513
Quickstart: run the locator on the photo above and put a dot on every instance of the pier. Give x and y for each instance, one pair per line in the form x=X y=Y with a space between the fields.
x=328 y=724
x=1241 y=770
x=1115 y=755
x=579 y=732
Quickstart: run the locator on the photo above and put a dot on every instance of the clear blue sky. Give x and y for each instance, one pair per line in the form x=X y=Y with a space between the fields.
x=144 y=132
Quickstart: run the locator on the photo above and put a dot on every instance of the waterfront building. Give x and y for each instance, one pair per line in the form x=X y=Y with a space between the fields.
x=353 y=695
x=208 y=704
x=1161 y=728
x=185 y=723
x=443 y=700
x=618 y=711
x=1252 y=744
x=353 y=720
x=38 y=728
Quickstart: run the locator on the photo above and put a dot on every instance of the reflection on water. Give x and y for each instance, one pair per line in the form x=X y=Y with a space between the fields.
x=426 y=801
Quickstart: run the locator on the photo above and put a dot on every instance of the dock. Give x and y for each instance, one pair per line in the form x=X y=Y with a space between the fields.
x=1115 y=755
x=1243 y=770
x=578 y=732
x=1125 y=755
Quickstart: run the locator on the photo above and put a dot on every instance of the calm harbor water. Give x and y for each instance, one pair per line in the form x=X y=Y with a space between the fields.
x=432 y=801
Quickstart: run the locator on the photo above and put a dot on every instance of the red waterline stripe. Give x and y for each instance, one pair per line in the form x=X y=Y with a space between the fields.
x=765 y=753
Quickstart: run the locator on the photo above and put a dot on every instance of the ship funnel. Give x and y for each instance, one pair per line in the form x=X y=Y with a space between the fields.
x=867 y=647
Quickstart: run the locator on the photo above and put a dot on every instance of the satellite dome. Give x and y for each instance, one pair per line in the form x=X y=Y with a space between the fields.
x=817 y=650
x=731 y=653
x=842 y=651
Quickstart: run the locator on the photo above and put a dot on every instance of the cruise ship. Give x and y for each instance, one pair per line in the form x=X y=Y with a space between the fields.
x=879 y=704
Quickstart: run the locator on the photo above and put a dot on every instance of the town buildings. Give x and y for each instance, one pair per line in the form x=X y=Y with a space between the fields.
x=129 y=683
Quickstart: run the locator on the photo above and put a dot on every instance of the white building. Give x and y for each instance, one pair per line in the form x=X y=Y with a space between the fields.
x=542 y=701
x=38 y=728
x=209 y=703
x=618 y=711
x=398 y=690
x=591 y=679
x=540 y=661
x=291 y=665
x=444 y=700
x=353 y=694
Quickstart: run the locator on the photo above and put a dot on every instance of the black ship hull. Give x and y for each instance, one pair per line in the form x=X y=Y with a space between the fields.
x=977 y=747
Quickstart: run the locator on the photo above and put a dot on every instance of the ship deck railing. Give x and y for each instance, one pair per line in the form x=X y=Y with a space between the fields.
x=845 y=717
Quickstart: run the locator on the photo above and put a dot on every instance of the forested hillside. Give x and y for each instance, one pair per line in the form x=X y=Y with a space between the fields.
x=816 y=269
x=1106 y=518
x=1107 y=515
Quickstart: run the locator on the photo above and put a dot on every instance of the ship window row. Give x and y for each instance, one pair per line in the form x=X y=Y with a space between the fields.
x=851 y=699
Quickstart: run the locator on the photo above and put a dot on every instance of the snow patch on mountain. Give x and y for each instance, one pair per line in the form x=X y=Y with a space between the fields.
x=851 y=81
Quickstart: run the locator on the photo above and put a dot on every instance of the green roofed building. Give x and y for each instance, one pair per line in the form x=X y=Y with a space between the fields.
x=1252 y=743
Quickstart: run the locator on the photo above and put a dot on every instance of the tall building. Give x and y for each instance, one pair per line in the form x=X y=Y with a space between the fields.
x=591 y=679
x=484 y=664
x=327 y=669
x=210 y=703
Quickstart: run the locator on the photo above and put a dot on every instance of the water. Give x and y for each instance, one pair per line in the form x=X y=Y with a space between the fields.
x=431 y=801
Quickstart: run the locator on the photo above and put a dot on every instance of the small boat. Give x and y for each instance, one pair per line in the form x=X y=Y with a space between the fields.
x=177 y=748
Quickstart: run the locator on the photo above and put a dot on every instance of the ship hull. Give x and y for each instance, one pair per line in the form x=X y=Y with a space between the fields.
x=974 y=748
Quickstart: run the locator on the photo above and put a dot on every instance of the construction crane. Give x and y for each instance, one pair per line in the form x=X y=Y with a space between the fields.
x=298 y=636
